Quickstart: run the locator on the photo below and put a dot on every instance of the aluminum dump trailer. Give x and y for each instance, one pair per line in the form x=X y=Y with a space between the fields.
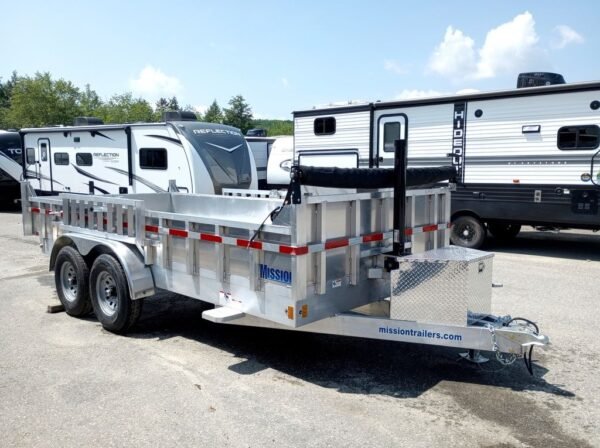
x=322 y=265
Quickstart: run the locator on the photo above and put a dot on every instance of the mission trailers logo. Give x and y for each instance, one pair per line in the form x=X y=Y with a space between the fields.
x=277 y=275
x=459 y=131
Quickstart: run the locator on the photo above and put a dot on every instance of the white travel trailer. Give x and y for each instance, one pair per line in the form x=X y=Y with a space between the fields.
x=261 y=148
x=280 y=161
x=524 y=156
x=138 y=157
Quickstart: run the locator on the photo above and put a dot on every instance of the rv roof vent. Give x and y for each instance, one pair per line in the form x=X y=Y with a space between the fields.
x=536 y=79
x=87 y=121
x=175 y=115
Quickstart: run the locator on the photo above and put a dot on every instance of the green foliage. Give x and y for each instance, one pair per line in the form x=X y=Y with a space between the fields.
x=41 y=101
x=275 y=127
x=213 y=114
x=90 y=102
x=6 y=89
x=125 y=108
x=239 y=114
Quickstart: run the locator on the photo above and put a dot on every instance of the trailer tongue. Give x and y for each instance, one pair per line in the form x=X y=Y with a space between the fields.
x=370 y=264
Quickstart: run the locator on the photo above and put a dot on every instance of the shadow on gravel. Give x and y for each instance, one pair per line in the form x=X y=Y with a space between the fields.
x=349 y=365
x=573 y=246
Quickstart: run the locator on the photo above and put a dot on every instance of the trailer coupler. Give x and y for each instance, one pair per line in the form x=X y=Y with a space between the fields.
x=512 y=337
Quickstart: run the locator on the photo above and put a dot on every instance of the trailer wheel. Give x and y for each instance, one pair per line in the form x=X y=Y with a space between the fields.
x=468 y=231
x=110 y=296
x=71 y=276
x=504 y=231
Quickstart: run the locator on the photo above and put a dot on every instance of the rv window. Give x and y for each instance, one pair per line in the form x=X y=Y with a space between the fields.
x=391 y=133
x=578 y=137
x=325 y=126
x=30 y=156
x=83 y=158
x=153 y=158
x=44 y=152
x=61 y=158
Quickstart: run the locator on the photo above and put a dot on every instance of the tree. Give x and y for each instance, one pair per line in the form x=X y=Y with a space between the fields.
x=6 y=89
x=164 y=105
x=125 y=108
x=275 y=127
x=41 y=101
x=239 y=114
x=213 y=114
x=90 y=102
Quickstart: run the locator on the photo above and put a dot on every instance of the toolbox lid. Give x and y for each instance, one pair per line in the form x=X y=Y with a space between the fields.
x=450 y=253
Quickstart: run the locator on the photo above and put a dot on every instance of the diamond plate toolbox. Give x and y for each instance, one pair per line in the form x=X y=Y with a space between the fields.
x=442 y=286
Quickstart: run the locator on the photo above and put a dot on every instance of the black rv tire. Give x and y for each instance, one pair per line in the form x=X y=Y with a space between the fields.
x=109 y=292
x=504 y=231
x=468 y=231
x=71 y=276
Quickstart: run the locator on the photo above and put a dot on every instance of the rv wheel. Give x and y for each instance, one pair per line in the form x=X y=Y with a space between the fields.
x=71 y=276
x=110 y=296
x=504 y=231
x=468 y=231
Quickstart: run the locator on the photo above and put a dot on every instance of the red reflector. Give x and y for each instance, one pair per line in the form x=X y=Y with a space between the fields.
x=178 y=232
x=153 y=229
x=211 y=238
x=246 y=243
x=335 y=244
x=408 y=232
x=373 y=237
x=290 y=250
x=35 y=210
x=430 y=228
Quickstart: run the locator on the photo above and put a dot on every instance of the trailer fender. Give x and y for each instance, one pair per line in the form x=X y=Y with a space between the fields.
x=139 y=276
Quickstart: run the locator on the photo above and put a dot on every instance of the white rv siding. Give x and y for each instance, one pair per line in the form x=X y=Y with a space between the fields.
x=178 y=161
x=108 y=149
x=352 y=132
x=429 y=134
x=497 y=150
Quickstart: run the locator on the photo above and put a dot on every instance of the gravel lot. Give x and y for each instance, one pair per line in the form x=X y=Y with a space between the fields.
x=180 y=380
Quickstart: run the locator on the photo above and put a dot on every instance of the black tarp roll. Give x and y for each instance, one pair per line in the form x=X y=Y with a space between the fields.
x=371 y=177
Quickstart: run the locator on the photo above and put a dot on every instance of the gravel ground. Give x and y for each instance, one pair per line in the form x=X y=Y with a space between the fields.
x=180 y=380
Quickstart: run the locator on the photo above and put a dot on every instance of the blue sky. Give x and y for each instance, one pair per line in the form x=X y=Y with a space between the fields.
x=284 y=56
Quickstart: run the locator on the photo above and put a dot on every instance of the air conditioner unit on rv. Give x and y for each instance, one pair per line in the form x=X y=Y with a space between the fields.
x=536 y=79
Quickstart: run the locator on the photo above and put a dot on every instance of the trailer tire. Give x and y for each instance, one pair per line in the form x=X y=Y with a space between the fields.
x=468 y=231
x=504 y=231
x=71 y=277
x=109 y=292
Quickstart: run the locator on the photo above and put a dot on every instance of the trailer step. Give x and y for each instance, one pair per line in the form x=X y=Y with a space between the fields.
x=222 y=314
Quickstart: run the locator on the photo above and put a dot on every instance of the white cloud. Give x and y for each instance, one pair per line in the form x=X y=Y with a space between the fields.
x=410 y=94
x=454 y=56
x=285 y=82
x=394 y=67
x=508 y=48
x=200 y=109
x=566 y=36
x=153 y=83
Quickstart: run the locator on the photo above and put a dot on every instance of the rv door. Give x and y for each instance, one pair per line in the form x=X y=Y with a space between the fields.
x=389 y=129
x=44 y=172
